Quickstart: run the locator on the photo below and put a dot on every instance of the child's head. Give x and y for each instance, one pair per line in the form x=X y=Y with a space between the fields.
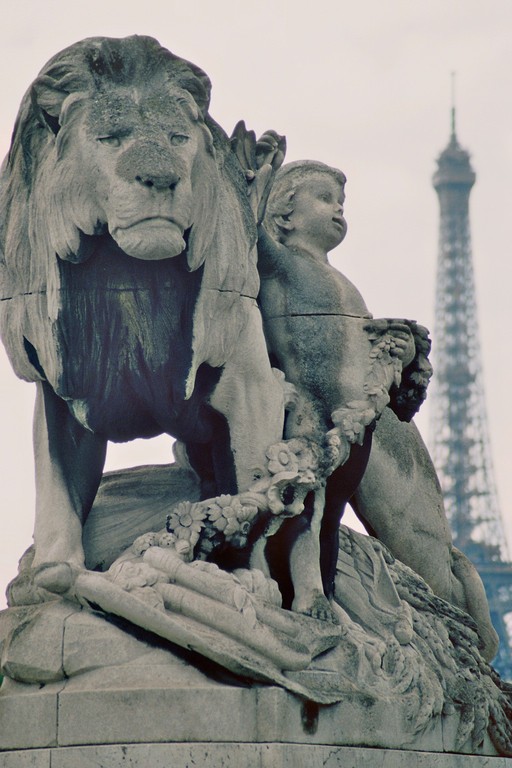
x=308 y=175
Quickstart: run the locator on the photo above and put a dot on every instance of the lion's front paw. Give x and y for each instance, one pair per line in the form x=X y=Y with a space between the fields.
x=55 y=577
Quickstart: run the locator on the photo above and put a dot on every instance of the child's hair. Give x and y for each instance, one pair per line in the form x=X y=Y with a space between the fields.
x=280 y=202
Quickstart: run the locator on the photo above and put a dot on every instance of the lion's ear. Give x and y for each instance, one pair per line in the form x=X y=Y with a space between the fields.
x=47 y=101
x=199 y=87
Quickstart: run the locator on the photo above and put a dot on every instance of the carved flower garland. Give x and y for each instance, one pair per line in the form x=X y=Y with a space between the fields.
x=385 y=370
x=224 y=518
x=229 y=516
x=294 y=466
x=294 y=470
x=297 y=466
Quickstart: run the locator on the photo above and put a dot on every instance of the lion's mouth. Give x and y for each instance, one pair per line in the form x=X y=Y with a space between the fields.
x=155 y=222
x=151 y=238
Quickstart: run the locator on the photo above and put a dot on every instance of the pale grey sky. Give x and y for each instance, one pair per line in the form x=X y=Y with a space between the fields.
x=365 y=87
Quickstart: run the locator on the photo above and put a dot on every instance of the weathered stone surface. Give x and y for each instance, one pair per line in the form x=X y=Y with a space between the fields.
x=132 y=502
x=342 y=724
x=161 y=756
x=28 y=715
x=149 y=244
x=152 y=702
x=144 y=703
x=406 y=669
x=106 y=645
x=229 y=755
x=130 y=289
x=33 y=650
x=11 y=619
x=34 y=758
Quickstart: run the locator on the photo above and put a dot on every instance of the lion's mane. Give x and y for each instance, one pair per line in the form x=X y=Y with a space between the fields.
x=48 y=225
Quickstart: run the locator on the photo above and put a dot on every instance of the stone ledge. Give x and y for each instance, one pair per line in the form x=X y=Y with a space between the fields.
x=231 y=755
x=162 y=703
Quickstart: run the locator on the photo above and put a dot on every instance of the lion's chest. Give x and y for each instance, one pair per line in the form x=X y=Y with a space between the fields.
x=124 y=343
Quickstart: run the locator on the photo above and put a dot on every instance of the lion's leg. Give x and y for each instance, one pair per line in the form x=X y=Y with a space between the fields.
x=251 y=399
x=400 y=500
x=69 y=463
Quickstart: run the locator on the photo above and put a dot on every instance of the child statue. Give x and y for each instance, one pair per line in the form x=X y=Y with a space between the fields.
x=342 y=363
x=320 y=333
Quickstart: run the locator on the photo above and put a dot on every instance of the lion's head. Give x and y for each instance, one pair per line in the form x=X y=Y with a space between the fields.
x=114 y=139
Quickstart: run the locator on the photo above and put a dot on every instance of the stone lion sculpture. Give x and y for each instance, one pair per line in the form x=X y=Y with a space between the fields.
x=129 y=284
x=129 y=279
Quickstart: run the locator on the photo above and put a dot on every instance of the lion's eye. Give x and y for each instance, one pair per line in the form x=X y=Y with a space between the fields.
x=110 y=141
x=178 y=138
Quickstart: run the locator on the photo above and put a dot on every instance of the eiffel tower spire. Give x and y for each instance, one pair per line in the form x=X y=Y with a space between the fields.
x=459 y=433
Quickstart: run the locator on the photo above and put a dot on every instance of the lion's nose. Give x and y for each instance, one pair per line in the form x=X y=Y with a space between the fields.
x=159 y=181
x=148 y=163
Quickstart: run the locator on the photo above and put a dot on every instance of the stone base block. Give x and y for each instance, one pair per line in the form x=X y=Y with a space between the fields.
x=174 y=708
x=231 y=755
x=163 y=706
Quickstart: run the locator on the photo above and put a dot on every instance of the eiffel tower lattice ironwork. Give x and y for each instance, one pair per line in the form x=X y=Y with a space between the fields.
x=459 y=433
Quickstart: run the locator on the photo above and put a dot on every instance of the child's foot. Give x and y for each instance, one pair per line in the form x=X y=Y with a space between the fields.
x=318 y=607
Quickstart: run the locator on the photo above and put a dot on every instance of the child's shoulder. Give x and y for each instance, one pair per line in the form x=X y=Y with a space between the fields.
x=350 y=296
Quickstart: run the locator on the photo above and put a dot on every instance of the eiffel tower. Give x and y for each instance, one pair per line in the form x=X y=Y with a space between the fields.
x=459 y=434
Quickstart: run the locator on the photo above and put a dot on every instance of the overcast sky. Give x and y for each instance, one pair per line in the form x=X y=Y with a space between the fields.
x=362 y=86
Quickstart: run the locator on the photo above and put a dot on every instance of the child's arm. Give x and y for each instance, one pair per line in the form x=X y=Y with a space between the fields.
x=272 y=256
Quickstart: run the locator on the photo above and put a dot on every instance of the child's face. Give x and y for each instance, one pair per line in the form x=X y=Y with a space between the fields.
x=318 y=211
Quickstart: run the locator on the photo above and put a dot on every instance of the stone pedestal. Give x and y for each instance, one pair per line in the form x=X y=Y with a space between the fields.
x=160 y=710
x=115 y=696
x=231 y=755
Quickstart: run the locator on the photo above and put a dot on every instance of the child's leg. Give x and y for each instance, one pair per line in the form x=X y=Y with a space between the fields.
x=305 y=570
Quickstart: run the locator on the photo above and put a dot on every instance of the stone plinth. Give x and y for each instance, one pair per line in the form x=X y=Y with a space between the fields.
x=161 y=710
x=108 y=697
x=230 y=755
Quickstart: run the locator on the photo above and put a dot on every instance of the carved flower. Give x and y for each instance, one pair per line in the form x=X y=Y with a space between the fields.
x=134 y=575
x=186 y=521
x=221 y=511
x=374 y=389
x=285 y=496
x=245 y=518
x=230 y=516
x=307 y=477
x=385 y=344
x=166 y=539
x=333 y=441
x=353 y=429
x=144 y=542
x=337 y=450
x=353 y=420
x=306 y=453
x=281 y=459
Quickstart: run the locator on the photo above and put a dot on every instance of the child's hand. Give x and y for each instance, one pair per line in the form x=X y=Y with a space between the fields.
x=259 y=160
x=270 y=149
x=404 y=347
x=269 y=152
